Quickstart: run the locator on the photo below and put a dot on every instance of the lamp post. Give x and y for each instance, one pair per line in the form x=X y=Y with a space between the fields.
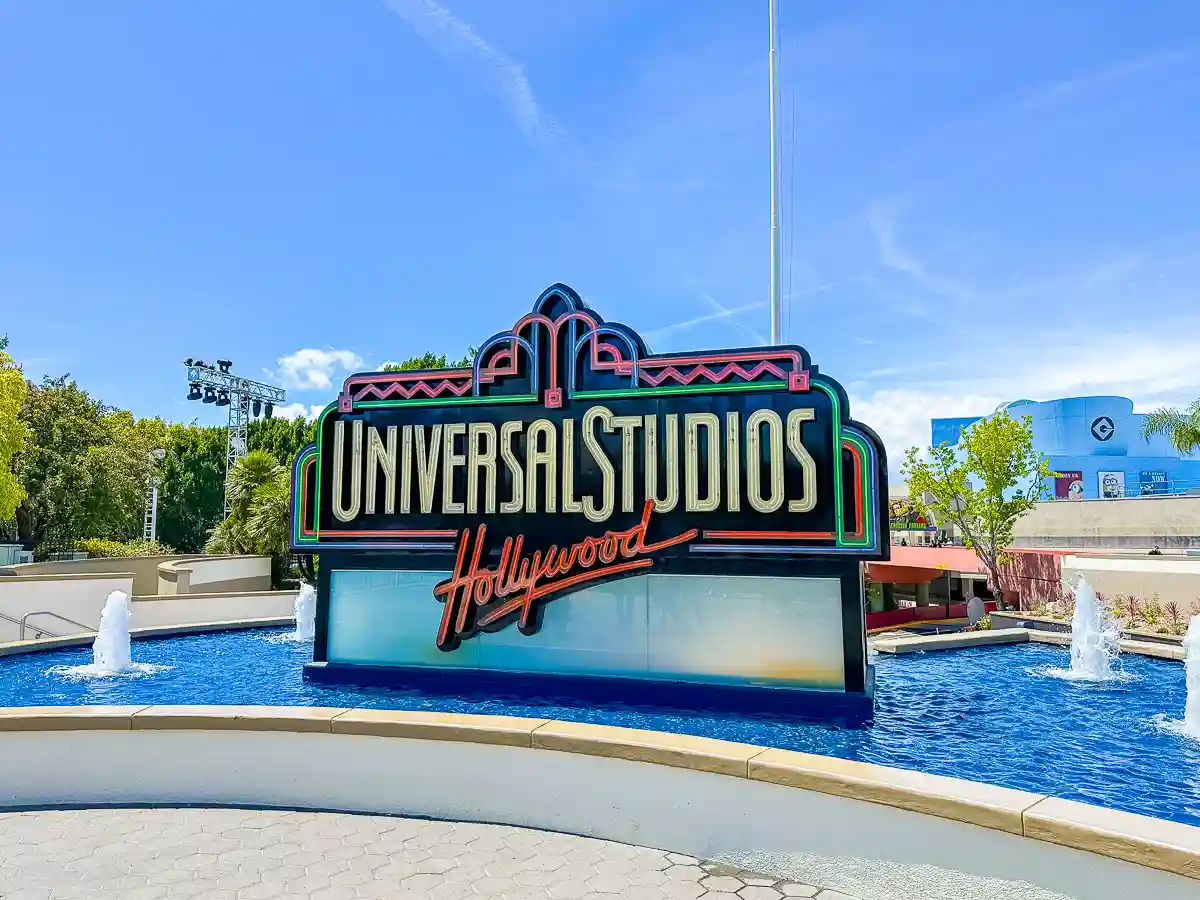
x=216 y=384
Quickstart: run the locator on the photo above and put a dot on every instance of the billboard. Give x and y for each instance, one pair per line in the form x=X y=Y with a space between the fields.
x=1112 y=485
x=1154 y=482
x=1068 y=486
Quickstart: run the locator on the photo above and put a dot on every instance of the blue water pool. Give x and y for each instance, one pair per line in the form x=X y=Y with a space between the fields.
x=987 y=714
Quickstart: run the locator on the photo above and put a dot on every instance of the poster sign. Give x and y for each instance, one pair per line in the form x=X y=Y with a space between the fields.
x=1154 y=482
x=1112 y=485
x=568 y=459
x=1068 y=486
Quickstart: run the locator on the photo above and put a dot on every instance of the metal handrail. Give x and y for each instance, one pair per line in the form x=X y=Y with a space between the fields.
x=17 y=622
x=46 y=612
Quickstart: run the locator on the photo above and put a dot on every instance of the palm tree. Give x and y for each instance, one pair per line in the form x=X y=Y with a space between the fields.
x=270 y=516
x=1182 y=428
x=251 y=472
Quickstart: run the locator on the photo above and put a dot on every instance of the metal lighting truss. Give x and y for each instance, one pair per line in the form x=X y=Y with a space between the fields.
x=239 y=393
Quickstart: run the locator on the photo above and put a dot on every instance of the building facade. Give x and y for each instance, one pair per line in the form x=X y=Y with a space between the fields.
x=1095 y=445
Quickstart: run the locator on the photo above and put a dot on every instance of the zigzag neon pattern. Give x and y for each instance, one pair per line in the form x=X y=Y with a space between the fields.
x=421 y=387
x=715 y=377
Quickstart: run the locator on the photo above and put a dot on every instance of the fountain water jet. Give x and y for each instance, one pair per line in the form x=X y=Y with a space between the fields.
x=305 y=610
x=1095 y=639
x=111 y=652
x=1191 y=663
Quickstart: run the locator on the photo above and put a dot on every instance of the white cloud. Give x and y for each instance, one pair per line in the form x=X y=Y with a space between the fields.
x=297 y=411
x=313 y=370
x=1150 y=370
x=444 y=31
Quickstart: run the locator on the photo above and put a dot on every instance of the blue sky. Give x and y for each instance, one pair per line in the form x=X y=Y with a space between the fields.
x=982 y=201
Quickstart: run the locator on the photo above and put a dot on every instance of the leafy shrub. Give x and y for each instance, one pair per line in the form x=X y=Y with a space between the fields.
x=100 y=548
x=984 y=623
x=1152 y=611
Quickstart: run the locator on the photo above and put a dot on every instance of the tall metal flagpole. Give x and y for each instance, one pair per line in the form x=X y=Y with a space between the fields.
x=776 y=241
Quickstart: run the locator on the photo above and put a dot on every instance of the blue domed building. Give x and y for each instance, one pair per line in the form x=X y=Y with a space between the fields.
x=1095 y=445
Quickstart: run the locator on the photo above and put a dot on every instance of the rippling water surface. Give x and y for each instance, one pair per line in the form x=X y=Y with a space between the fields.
x=988 y=714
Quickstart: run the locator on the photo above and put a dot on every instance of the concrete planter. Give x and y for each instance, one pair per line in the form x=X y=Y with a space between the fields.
x=1041 y=623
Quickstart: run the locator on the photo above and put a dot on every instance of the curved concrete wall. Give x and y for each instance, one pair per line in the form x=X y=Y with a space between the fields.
x=143 y=568
x=697 y=796
x=212 y=574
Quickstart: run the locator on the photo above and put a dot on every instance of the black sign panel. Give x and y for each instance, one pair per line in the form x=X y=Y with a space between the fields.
x=567 y=428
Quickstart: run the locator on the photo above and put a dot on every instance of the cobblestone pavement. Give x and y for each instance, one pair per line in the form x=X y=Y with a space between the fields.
x=230 y=854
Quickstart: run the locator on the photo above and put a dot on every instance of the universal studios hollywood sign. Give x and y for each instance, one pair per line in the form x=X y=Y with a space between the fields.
x=569 y=456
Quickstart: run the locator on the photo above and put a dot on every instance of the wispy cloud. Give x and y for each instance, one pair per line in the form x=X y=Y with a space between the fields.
x=1149 y=369
x=720 y=314
x=450 y=35
x=882 y=223
x=1071 y=88
x=311 y=369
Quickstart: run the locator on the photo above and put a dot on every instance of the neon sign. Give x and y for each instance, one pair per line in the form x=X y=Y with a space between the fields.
x=481 y=599
x=568 y=454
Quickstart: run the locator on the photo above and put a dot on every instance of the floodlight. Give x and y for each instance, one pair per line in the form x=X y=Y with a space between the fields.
x=194 y=393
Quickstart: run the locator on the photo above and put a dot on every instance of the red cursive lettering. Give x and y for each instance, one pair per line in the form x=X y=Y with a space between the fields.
x=476 y=598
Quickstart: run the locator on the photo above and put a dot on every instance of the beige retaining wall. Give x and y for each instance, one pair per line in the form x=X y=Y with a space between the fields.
x=1174 y=579
x=78 y=597
x=698 y=796
x=143 y=568
x=1135 y=522
x=81 y=598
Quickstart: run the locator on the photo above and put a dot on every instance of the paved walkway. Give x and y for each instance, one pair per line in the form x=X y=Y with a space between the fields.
x=229 y=854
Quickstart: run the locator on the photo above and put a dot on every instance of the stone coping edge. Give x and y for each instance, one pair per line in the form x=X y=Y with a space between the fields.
x=956 y=641
x=1141 y=840
x=15 y=648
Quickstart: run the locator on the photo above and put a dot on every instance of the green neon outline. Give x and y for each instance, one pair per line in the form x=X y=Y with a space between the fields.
x=835 y=403
x=297 y=525
x=817 y=382
x=868 y=510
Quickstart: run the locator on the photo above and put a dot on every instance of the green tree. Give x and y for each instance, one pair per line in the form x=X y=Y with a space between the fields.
x=64 y=424
x=191 y=494
x=13 y=431
x=116 y=473
x=1183 y=428
x=432 y=361
x=984 y=487
x=282 y=438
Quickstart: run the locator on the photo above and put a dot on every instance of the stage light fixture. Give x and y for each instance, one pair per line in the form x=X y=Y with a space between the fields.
x=200 y=364
x=189 y=362
x=268 y=410
x=222 y=398
x=257 y=408
x=194 y=393
x=210 y=396
x=225 y=365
